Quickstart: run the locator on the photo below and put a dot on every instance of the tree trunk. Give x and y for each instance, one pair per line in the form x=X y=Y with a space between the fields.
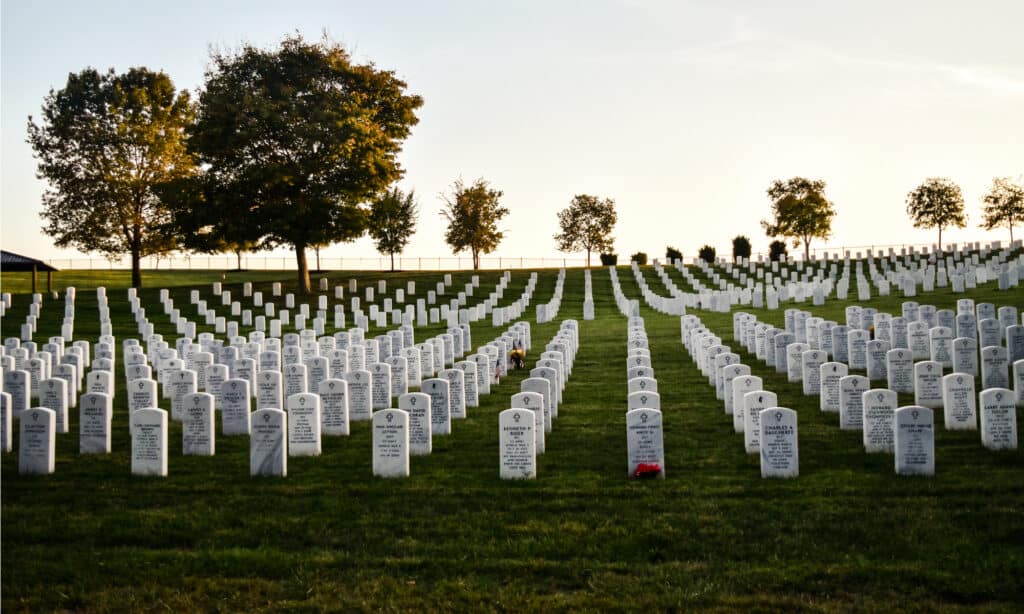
x=238 y=256
x=588 y=258
x=317 y=250
x=392 y=262
x=136 y=266
x=476 y=260
x=300 y=257
x=940 y=238
x=807 y=250
x=1011 y=233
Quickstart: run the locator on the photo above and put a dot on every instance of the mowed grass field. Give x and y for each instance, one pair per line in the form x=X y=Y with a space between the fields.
x=847 y=534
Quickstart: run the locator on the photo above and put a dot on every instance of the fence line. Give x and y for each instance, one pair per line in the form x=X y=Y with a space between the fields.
x=257 y=262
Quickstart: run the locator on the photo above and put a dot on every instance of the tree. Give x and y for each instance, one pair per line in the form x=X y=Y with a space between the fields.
x=777 y=251
x=105 y=142
x=195 y=219
x=707 y=254
x=301 y=137
x=740 y=247
x=1004 y=204
x=393 y=221
x=473 y=214
x=936 y=203
x=800 y=211
x=672 y=254
x=587 y=224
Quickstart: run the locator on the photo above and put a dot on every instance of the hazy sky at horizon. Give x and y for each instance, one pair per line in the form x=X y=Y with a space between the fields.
x=683 y=112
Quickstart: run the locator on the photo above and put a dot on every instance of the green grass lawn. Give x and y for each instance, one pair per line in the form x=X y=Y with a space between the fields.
x=847 y=534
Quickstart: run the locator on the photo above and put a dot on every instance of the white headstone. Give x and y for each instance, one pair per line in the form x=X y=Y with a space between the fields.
x=360 y=404
x=958 y=401
x=439 y=391
x=303 y=424
x=780 y=453
x=879 y=413
x=998 y=419
x=914 y=441
x=37 y=441
x=95 y=413
x=268 y=445
x=149 y=441
x=645 y=443
x=754 y=402
x=197 y=428
x=517 y=444
x=334 y=407
x=391 y=443
x=235 y=405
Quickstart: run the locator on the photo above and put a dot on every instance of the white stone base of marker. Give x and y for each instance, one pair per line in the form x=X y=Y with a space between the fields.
x=879 y=410
x=914 y=441
x=37 y=441
x=391 y=443
x=958 y=402
x=268 y=443
x=304 y=424
x=645 y=443
x=95 y=413
x=998 y=419
x=518 y=444
x=149 y=441
x=780 y=452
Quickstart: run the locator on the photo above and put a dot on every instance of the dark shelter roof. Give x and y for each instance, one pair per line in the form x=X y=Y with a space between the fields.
x=12 y=262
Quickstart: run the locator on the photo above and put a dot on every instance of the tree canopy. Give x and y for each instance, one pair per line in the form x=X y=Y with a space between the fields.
x=741 y=247
x=301 y=138
x=393 y=221
x=473 y=212
x=586 y=224
x=800 y=211
x=1004 y=204
x=937 y=203
x=105 y=143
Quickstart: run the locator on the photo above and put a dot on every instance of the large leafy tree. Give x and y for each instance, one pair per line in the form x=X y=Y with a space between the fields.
x=937 y=203
x=1004 y=204
x=741 y=247
x=301 y=138
x=587 y=225
x=800 y=211
x=106 y=141
x=473 y=212
x=393 y=221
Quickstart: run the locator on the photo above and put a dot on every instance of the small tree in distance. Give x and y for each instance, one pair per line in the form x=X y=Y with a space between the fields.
x=1004 y=204
x=936 y=203
x=707 y=254
x=740 y=247
x=800 y=211
x=672 y=254
x=777 y=251
x=393 y=221
x=587 y=224
x=473 y=214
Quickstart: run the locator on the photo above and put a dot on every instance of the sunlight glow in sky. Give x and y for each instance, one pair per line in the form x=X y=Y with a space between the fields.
x=683 y=112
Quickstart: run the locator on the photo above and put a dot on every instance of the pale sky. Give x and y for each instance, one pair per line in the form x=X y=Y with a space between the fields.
x=683 y=112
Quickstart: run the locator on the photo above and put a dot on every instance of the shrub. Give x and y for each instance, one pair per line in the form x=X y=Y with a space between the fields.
x=740 y=248
x=609 y=259
x=639 y=258
x=707 y=254
x=672 y=254
x=777 y=250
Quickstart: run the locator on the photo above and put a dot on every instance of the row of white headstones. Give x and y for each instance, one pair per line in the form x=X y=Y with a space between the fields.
x=523 y=429
x=197 y=409
x=760 y=285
